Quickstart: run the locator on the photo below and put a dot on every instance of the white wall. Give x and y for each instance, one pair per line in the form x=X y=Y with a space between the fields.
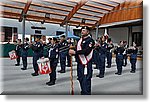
x=50 y=28
x=118 y=34
x=100 y=33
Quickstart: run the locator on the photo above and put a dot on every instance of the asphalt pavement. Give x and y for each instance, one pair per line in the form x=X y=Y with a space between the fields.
x=16 y=81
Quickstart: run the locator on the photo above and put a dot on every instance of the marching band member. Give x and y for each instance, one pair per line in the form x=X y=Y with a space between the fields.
x=37 y=53
x=18 y=52
x=84 y=54
x=133 y=57
x=102 y=55
x=49 y=41
x=125 y=57
x=25 y=48
x=53 y=57
x=110 y=46
x=63 y=49
x=119 y=57
x=96 y=54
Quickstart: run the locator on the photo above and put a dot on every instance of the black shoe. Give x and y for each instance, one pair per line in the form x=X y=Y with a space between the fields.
x=97 y=75
x=108 y=66
x=17 y=64
x=95 y=68
x=61 y=71
x=119 y=73
x=48 y=82
x=23 y=68
x=51 y=83
x=132 y=71
x=101 y=76
x=35 y=74
x=68 y=65
x=82 y=93
x=116 y=73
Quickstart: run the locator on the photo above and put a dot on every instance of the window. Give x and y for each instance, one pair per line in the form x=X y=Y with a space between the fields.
x=137 y=37
x=77 y=32
x=59 y=32
x=7 y=33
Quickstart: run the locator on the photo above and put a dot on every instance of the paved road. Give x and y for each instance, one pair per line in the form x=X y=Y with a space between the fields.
x=16 y=81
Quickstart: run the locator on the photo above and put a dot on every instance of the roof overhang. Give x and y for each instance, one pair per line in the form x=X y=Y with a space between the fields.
x=120 y=23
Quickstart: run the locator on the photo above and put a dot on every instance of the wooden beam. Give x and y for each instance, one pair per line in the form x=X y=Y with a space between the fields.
x=59 y=3
x=98 y=7
x=68 y=5
x=106 y=15
x=43 y=6
x=32 y=9
x=56 y=8
x=121 y=12
x=97 y=1
x=91 y=19
x=28 y=19
x=51 y=7
x=11 y=6
x=91 y=10
x=30 y=16
x=88 y=14
x=44 y=11
x=25 y=10
x=115 y=1
x=103 y=3
x=9 y=13
x=37 y=20
x=74 y=10
x=129 y=10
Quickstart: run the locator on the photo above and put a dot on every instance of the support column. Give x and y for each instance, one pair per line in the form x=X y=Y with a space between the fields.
x=12 y=34
x=66 y=29
x=129 y=35
x=23 y=28
x=97 y=32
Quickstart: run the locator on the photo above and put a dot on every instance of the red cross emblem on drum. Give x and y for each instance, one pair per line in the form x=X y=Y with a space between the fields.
x=44 y=67
x=12 y=55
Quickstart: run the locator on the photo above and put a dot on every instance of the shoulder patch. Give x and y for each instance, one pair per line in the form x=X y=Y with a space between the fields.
x=90 y=45
x=38 y=45
x=56 y=50
x=83 y=42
